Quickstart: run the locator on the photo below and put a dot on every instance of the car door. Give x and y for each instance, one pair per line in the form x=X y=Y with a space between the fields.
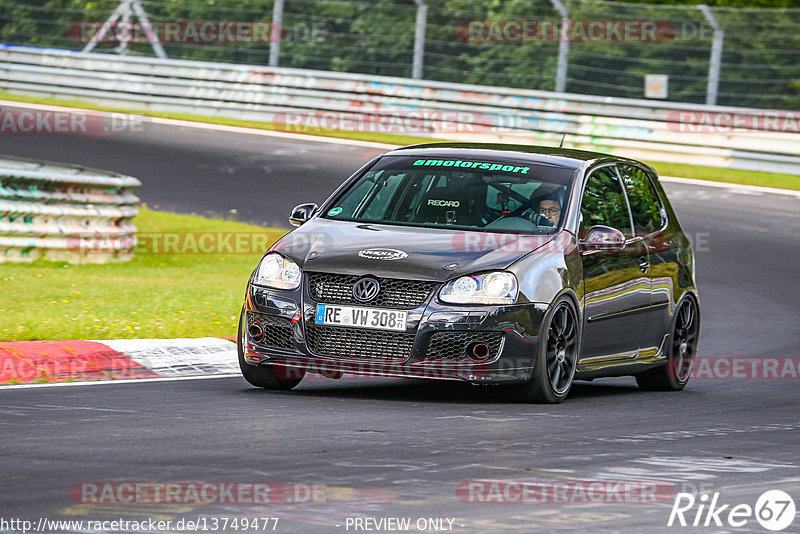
x=649 y=221
x=616 y=290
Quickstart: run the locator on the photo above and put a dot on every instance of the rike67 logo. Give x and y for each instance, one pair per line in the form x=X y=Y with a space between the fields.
x=774 y=510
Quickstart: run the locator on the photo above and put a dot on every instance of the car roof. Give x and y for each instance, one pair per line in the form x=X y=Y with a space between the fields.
x=562 y=157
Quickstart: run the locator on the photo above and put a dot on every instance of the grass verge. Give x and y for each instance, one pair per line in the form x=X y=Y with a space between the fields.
x=715 y=174
x=734 y=176
x=154 y=295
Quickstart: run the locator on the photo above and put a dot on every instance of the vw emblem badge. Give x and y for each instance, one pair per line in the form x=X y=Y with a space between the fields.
x=366 y=289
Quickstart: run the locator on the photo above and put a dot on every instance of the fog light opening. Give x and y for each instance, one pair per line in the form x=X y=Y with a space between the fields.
x=478 y=351
x=256 y=332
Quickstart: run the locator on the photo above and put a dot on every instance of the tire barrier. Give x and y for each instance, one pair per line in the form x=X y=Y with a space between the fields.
x=65 y=213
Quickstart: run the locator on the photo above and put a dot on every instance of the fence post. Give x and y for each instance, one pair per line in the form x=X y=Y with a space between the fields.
x=419 y=39
x=563 y=48
x=276 y=33
x=716 y=55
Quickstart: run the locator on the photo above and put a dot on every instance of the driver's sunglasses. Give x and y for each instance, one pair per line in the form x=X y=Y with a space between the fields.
x=549 y=211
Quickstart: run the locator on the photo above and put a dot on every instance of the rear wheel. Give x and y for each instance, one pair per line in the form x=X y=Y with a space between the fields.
x=262 y=376
x=682 y=349
x=557 y=355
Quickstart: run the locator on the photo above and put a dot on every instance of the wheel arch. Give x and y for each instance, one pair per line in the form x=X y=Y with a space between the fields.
x=570 y=294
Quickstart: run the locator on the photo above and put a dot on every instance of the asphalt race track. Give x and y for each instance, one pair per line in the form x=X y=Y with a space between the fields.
x=378 y=448
x=207 y=172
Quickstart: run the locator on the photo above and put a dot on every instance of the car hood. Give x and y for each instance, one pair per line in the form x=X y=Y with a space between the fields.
x=433 y=254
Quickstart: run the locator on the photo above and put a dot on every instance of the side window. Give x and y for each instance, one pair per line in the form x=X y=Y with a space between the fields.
x=604 y=202
x=645 y=206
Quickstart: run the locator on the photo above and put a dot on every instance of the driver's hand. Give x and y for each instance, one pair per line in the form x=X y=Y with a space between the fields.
x=537 y=218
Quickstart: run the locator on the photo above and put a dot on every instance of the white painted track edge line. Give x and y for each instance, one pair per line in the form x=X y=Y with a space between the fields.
x=270 y=133
x=731 y=186
x=212 y=126
x=123 y=381
x=369 y=144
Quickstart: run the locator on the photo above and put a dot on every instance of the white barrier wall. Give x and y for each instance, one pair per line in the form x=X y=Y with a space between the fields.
x=651 y=130
x=65 y=213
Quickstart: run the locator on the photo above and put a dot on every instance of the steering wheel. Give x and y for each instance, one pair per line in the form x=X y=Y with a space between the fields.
x=532 y=215
x=539 y=220
x=498 y=215
x=524 y=212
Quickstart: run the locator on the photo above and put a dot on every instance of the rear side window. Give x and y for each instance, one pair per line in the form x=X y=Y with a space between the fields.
x=645 y=206
x=604 y=202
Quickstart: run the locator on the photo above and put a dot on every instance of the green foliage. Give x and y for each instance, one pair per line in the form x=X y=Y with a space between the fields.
x=760 y=51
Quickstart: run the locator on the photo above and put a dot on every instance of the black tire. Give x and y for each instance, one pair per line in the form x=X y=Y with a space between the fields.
x=261 y=376
x=674 y=375
x=556 y=355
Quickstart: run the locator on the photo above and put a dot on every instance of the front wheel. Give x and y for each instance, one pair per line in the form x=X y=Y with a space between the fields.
x=682 y=349
x=261 y=376
x=557 y=355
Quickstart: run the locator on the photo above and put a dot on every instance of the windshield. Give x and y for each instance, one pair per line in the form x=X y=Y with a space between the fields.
x=491 y=195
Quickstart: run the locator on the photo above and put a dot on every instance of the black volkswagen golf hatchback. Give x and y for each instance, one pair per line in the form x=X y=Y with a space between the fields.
x=528 y=267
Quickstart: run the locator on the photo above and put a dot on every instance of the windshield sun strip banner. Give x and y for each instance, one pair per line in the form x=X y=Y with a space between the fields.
x=483 y=165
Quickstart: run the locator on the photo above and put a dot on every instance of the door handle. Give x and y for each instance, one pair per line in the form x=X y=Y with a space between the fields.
x=644 y=264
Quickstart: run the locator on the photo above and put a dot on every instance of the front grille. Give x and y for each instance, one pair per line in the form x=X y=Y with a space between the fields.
x=451 y=345
x=357 y=343
x=394 y=293
x=277 y=330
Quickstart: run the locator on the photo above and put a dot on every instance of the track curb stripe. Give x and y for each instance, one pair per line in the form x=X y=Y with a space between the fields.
x=61 y=361
x=31 y=362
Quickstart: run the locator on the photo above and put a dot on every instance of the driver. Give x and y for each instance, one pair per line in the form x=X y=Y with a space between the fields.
x=550 y=207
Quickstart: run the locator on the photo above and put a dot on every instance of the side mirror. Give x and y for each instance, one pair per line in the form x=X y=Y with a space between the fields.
x=603 y=238
x=302 y=213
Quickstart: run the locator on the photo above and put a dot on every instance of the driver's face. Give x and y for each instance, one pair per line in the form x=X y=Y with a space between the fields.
x=550 y=209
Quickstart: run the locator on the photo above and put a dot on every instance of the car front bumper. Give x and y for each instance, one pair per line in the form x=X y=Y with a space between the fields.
x=437 y=342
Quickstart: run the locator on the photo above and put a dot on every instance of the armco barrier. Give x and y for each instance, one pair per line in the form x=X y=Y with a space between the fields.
x=65 y=213
x=645 y=129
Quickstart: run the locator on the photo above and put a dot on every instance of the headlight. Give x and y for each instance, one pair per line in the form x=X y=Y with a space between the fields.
x=276 y=271
x=489 y=288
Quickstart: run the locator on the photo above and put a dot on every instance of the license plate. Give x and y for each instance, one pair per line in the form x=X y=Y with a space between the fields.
x=361 y=317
